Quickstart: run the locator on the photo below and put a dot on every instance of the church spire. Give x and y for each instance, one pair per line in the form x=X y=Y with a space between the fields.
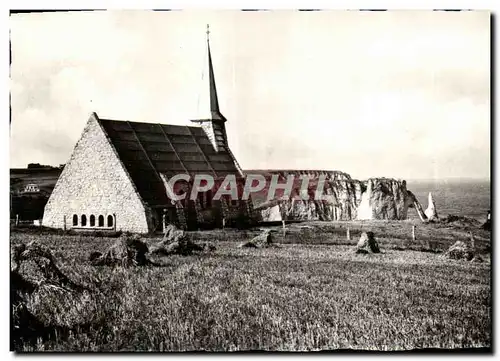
x=208 y=104
x=214 y=101
x=209 y=115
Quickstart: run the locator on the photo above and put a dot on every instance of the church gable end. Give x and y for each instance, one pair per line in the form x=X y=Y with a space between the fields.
x=94 y=189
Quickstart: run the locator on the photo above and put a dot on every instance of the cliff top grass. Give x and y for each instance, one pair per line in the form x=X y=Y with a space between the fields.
x=312 y=293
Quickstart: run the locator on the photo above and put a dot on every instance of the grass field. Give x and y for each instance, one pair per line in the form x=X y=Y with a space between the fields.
x=312 y=292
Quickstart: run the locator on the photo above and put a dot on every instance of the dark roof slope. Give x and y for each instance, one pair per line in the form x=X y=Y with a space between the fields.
x=148 y=149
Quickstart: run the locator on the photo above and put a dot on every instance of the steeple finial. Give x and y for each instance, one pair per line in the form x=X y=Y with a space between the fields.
x=208 y=33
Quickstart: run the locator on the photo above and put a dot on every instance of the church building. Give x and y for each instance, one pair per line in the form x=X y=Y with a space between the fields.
x=116 y=176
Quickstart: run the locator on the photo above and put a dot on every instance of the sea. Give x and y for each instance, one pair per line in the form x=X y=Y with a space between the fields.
x=468 y=198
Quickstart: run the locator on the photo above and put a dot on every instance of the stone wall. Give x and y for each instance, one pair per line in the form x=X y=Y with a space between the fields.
x=94 y=182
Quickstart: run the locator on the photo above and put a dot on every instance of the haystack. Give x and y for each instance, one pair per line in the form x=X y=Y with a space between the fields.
x=132 y=251
x=263 y=240
x=175 y=241
x=183 y=246
x=126 y=251
x=367 y=243
x=173 y=234
x=46 y=269
x=460 y=250
x=34 y=269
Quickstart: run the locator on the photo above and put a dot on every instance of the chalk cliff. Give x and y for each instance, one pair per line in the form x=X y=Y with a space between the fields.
x=384 y=198
x=343 y=198
x=431 y=212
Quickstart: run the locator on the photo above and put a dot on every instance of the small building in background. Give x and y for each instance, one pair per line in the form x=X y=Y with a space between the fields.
x=31 y=188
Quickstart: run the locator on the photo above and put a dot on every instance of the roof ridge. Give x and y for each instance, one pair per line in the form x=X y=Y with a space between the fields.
x=161 y=124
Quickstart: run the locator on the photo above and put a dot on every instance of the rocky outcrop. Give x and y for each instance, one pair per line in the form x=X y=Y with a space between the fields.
x=487 y=224
x=339 y=202
x=384 y=199
x=343 y=198
x=418 y=207
x=431 y=211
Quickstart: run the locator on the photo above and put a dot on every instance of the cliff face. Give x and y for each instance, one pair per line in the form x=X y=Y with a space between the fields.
x=340 y=202
x=384 y=199
x=343 y=198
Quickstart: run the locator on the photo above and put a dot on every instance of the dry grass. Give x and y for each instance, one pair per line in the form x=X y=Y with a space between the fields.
x=313 y=296
x=432 y=237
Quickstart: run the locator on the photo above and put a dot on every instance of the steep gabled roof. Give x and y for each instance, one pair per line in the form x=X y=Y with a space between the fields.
x=148 y=149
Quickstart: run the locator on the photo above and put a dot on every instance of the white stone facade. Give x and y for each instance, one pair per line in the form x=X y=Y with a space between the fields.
x=94 y=182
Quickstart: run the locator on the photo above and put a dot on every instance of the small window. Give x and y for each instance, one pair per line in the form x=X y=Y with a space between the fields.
x=234 y=203
x=92 y=220
x=75 y=220
x=84 y=220
x=110 y=221
x=101 y=221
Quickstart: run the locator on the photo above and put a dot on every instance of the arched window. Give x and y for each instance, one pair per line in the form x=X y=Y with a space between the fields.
x=75 y=220
x=101 y=221
x=110 y=221
x=92 y=220
x=84 y=220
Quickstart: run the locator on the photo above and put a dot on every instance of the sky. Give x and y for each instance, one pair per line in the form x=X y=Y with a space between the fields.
x=400 y=94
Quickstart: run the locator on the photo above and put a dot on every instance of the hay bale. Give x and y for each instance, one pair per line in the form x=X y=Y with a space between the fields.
x=262 y=240
x=173 y=241
x=173 y=234
x=183 y=246
x=126 y=251
x=41 y=266
x=367 y=243
x=162 y=249
x=459 y=250
x=169 y=230
x=36 y=274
